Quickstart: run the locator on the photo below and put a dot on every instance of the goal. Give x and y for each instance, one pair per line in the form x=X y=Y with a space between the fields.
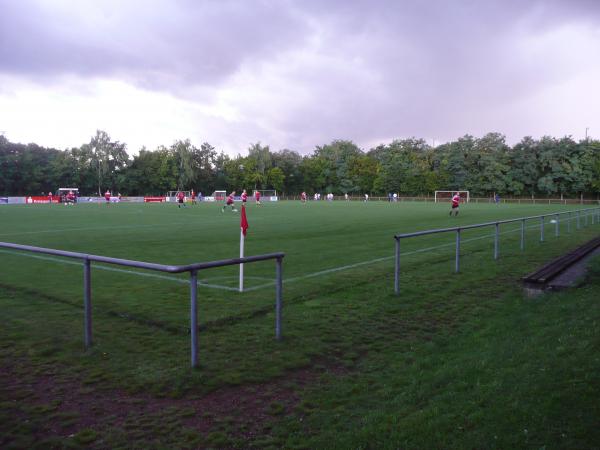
x=442 y=196
x=266 y=194
x=172 y=196
x=219 y=195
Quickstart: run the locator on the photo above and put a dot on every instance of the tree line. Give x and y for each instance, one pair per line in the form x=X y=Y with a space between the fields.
x=533 y=167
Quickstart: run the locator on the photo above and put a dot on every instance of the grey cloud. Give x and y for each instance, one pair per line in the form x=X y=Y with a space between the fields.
x=155 y=44
x=383 y=68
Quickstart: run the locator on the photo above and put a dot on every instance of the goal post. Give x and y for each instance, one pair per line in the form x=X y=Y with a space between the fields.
x=442 y=196
x=219 y=195
x=266 y=194
x=172 y=195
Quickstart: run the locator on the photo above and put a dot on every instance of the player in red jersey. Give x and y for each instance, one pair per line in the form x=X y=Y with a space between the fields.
x=193 y=197
x=257 y=197
x=180 y=199
x=244 y=196
x=107 y=197
x=50 y=197
x=303 y=197
x=455 y=204
x=70 y=198
x=229 y=202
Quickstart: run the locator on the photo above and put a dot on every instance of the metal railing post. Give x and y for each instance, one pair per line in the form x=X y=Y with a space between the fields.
x=496 y=240
x=397 y=268
x=87 y=303
x=457 y=261
x=556 y=225
x=542 y=229
x=193 y=269
x=194 y=316
x=278 y=299
x=523 y=234
x=569 y=222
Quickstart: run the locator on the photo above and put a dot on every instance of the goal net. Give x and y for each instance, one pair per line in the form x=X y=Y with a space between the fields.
x=266 y=194
x=172 y=196
x=219 y=195
x=444 y=196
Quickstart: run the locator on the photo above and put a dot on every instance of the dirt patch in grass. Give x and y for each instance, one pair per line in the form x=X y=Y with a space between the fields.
x=44 y=403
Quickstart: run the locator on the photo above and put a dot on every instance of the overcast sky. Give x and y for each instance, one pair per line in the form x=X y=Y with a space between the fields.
x=296 y=73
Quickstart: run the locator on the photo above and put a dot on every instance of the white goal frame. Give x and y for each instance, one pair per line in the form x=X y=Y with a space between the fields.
x=172 y=195
x=464 y=195
x=215 y=194
x=265 y=192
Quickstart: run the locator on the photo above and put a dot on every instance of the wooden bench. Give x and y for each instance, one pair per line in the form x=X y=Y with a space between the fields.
x=541 y=278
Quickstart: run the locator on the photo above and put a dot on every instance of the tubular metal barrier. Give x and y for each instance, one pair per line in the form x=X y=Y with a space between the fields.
x=193 y=269
x=593 y=213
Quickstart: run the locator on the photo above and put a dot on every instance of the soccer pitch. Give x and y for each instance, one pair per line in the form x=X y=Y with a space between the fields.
x=326 y=244
x=351 y=349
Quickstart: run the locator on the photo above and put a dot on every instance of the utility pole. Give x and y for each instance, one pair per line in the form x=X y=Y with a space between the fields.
x=586 y=133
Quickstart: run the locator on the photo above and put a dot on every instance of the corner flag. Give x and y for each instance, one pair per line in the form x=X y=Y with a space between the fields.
x=244 y=221
x=244 y=227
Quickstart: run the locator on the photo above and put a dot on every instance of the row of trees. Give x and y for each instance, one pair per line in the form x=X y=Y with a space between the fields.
x=548 y=166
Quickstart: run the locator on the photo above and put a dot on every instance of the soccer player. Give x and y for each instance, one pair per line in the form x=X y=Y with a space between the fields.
x=107 y=197
x=257 y=197
x=50 y=197
x=455 y=203
x=303 y=197
x=346 y=197
x=180 y=199
x=244 y=197
x=70 y=198
x=229 y=202
x=366 y=198
x=194 y=198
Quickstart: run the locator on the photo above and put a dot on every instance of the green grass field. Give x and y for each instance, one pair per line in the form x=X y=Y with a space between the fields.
x=457 y=361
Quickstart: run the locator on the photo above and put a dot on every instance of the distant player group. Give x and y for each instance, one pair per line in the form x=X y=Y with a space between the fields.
x=229 y=199
x=70 y=198
x=455 y=200
x=244 y=198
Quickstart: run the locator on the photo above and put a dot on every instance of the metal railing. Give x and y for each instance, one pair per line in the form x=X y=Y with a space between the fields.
x=578 y=215
x=193 y=269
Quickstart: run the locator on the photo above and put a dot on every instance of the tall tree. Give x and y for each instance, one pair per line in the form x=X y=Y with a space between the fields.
x=107 y=157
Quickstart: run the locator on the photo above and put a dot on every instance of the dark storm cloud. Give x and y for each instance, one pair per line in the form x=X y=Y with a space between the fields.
x=364 y=70
x=441 y=67
x=154 y=43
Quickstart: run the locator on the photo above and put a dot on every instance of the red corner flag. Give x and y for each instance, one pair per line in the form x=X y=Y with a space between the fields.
x=244 y=220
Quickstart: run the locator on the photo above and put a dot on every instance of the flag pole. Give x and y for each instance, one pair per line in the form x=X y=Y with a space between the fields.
x=243 y=228
x=242 y=264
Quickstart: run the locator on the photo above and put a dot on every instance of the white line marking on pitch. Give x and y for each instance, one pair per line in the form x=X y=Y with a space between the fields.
x=272 y=283
x=62 y=230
